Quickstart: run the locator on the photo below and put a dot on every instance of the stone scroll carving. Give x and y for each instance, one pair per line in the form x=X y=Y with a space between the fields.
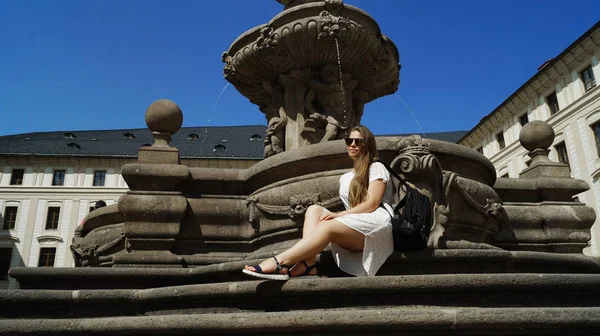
x=460 y=220
x=422 y=169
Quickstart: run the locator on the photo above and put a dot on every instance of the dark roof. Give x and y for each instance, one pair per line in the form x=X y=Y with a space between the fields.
x=192 y=142
x=232 y=142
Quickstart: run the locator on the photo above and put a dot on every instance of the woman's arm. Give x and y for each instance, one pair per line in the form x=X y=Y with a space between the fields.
x=374 y=197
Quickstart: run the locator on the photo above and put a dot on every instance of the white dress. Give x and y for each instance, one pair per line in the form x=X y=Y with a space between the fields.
x=376 y=226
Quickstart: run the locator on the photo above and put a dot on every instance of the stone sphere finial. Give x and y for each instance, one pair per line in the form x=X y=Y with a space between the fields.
x=164 y=118
x=536 y=134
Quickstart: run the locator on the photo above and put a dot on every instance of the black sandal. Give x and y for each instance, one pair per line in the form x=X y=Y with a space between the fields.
x=306 y=272
x=276 y=275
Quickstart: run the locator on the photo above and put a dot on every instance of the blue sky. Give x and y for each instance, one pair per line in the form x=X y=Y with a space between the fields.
x=80 y=65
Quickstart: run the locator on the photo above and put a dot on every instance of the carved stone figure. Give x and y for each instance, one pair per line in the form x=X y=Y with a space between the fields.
x=335 y=102
x=299 y=204
x=277 y=119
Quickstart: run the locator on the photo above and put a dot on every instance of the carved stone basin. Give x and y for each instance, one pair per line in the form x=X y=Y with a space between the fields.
x=311 y=69
x=226 y=215
x=303 y=37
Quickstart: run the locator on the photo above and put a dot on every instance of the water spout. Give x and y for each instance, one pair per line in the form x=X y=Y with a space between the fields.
x=210 y=117
x=339 y=62
x=411 y=112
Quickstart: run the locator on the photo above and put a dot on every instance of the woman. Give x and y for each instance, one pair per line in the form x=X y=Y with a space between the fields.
x=360 y=236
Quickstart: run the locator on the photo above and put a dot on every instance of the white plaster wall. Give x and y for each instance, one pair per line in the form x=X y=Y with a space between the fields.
x=47 y=177
x=28 y=176
x=88 y=178
x=70 y=177
x=40 y=216
x=5 y=178
x=63 y=233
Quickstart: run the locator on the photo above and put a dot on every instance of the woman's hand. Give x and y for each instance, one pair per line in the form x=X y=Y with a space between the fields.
x=332 y=215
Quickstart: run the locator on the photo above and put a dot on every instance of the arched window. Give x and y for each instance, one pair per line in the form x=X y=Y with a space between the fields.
x=220 y=148
x=128 y=136
x=255 y=137
x=69 y=135
x=192 y=136
x=73 y=145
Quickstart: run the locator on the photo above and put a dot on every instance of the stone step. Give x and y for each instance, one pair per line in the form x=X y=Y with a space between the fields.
x=416 y=291
x=456 y=261
x=380 y=321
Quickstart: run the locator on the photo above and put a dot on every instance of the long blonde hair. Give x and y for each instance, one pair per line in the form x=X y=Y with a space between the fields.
x=360 y=183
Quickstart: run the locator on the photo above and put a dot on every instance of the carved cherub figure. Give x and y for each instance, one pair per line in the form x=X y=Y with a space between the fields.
x=276 y=118
x=336 y=103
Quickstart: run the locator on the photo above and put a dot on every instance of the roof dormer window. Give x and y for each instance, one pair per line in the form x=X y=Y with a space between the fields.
x=73 y=145
x=69 y=135
x=192 y=136
x=128 y=136
x=255 y=137
x=220 y=148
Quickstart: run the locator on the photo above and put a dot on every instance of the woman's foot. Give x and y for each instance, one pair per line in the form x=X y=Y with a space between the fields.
x=303 y=269
x=269 y=269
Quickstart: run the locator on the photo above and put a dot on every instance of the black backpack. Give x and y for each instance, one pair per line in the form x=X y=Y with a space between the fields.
x=412 y=217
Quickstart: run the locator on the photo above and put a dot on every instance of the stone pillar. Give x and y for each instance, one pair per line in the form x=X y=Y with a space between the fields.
x=154 y=206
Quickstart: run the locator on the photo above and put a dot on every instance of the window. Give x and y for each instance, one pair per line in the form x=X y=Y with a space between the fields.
x=10 y=217
x=596 y=129
x=255 y=137
x=561 y=149
x=219 y=148
x=73 y=145
x=52 y=218
x=480 y=150
x=16 y=178
x=524 y=119
x=552 y=102
x=192 y=136
x=5 y=256
x=69 y=135
x=500 y=139
x=47 y=255
x=505 y=175
x=128 y=136
x=587 y=76
x=99 y=178
x=92 y=208
x=59 y=178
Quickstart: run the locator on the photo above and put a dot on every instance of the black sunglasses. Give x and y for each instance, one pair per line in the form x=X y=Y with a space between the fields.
x=358 y=141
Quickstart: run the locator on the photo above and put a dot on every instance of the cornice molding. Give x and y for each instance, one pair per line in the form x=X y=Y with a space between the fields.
x=49 y=238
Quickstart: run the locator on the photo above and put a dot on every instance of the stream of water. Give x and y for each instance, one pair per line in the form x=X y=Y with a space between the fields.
x=339 y=62
x=411 y=112
x=203 y=137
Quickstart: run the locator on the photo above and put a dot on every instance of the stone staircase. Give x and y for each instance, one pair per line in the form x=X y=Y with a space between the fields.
x=436 y=304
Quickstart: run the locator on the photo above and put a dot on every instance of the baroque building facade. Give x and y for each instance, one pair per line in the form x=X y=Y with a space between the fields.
x=564 y=93
x=50 y=181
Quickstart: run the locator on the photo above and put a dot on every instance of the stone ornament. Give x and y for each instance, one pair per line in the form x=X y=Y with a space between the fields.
x=448 y=191
x=164 y=118
x=323 y=91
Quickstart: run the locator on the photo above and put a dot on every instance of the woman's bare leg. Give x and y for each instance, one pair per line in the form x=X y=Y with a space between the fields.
x=314 y=215
x=325 y=232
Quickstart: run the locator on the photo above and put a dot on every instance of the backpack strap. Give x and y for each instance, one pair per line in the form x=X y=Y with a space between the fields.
x=389 y=169
x=402 y=181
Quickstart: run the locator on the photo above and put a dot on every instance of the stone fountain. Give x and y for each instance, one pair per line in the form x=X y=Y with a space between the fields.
x=504 y=255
